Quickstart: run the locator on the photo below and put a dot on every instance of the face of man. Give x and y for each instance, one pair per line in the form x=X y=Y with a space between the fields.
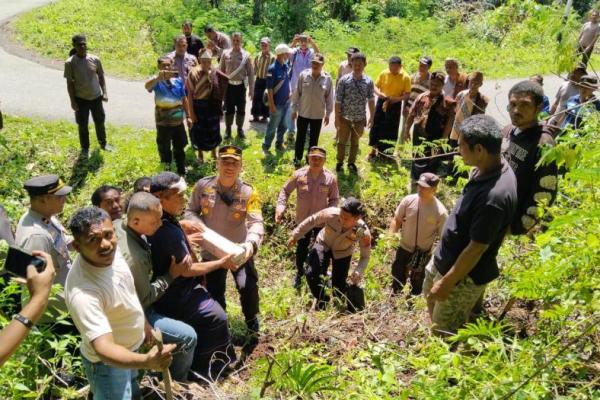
x=186 y=29
x=426 y=193
x=451 y=68
x=358 y=66
x=585 y=92
x=236 y=42
x=576 y=75
x=423 y=68
x=469 y=155
x=211 y=35
x=51 y=204
x=98 y=245
x=282 y=58
x=476 y=82
x=180 y=47
x=264 y=47
x=394 y=68
x=303 y=43
x=205 y=64
x=522 y=110
x=81 y=47
x=348 y=220
x=229 y=168
x=594 y=16
x=146 y=223
x=316 y=68
x=111 y=203
x=164 y=66
x=435 y=87
x=172 y=201
x=316 y=162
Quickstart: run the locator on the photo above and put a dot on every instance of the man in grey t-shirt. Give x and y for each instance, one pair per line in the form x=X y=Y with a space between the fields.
x=87 y=90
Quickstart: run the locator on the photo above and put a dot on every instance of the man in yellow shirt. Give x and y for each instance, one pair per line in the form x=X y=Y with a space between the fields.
x=392 y=87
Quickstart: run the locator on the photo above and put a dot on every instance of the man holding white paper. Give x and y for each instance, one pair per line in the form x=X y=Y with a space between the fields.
x=231 y=208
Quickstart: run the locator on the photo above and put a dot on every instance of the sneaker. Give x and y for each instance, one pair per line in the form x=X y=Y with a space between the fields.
x=107 y=147
x=352 y=168
x=297 y=281
x=264 y=119
x=339 y=167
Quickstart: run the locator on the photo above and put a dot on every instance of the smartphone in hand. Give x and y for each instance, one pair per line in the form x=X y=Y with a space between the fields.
x=17 y=261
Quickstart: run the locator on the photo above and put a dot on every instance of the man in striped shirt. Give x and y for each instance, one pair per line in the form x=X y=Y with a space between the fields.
x=260 y=110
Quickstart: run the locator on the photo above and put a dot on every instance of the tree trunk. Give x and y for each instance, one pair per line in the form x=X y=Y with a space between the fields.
x=257 y=12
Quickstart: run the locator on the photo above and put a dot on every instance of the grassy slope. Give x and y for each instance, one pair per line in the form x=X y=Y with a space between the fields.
x=383 y=353
x=128 y=36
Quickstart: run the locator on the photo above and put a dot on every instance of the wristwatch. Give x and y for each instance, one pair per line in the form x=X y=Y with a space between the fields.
x=25 y=321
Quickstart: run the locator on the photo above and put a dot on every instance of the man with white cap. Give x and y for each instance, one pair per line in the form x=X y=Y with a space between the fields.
x=317 y=189
x=260 y=110
x=278 y=92
x=420 y=218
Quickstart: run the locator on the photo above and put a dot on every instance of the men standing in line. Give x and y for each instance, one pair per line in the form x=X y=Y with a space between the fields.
x=345 y=66
x=40 y=230
x=217 y=41
x=100 y=294
x=278 y=93
x=236 y=64
x=524 y=141
x=588 y=37
x=420 y=218
x=232 y=208
x=355 y=91
x=392 y=87
x=144 y=215
x=432 y=114
x=171 y=105
x=312 y=103
x=343 y=228
x=194 y=43
x=183 y=61
x=465 y=259
x=300 y=59
x=108 y=198
x=187 y=298
x=87 y=90
x=316 y=189
x=260 y=110
x=456 y=81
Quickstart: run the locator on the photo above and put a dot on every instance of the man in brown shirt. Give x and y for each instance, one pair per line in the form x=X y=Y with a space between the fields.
x=317 y=189
x=343 y=229
x=419 y=83
x=260 y=110
x=236 y=64
x=217 y=41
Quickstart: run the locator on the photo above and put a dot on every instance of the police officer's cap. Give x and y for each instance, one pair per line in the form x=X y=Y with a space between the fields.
x=46 y=184
x=316 y=151
x=230 y=151
x=353 y=206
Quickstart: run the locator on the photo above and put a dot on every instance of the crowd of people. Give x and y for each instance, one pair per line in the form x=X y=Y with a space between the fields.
x=145 y=260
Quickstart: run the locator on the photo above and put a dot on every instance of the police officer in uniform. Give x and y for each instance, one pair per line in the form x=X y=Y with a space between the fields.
x=237 y=65
x=232 y=208
x=39 y=229
x=317 y=188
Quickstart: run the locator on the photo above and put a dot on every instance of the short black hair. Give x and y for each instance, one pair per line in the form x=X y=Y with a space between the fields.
x=138 y=185
x=187 y=22
x=180 y=37
x=163 y=59
x=78 y=38
x=209 y=28
x=98 y=193
x=395 y=60
x=163 y=181
x=84 y=218
x=528 y=88
x=484 y=130
x=353 y=206
x=437 y=75
x=359 y=56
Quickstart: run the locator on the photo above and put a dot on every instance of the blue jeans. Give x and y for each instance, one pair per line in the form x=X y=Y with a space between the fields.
x=277 y=121
x=111 y=383
x=180 y=333
x=291 y=124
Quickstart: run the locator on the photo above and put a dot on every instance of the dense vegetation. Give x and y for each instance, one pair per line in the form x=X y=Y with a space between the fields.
x=513 y=39
x=385 y=351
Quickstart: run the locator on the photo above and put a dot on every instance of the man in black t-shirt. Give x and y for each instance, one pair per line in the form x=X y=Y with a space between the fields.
x=465 y=259
x=194 y=43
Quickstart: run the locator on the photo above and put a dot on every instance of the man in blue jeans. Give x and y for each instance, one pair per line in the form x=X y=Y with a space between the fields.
x=278 y=92
x=144 y=214
x=101 y=298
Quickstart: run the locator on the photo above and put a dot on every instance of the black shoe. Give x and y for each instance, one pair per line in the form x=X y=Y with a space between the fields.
x=352 y=168
x=297 y=164
x=297 y=281
x=279 y=147
x=228 y=133
x=339 y=167
x=85 y=154
x=241 y=134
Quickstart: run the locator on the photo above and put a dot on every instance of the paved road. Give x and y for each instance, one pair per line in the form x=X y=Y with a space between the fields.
x=31 y=89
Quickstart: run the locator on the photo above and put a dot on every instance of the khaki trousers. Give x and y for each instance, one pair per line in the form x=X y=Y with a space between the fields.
x=349 y=130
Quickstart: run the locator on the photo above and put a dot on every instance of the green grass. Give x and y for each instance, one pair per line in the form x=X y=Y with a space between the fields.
x=511 y=41
x=385 y=352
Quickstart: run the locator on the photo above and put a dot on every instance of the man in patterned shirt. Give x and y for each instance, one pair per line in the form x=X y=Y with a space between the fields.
x=260 y=110
x=354 y=92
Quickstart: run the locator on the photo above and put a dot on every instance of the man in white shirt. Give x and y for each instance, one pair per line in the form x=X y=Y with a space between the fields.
x=101 y=298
